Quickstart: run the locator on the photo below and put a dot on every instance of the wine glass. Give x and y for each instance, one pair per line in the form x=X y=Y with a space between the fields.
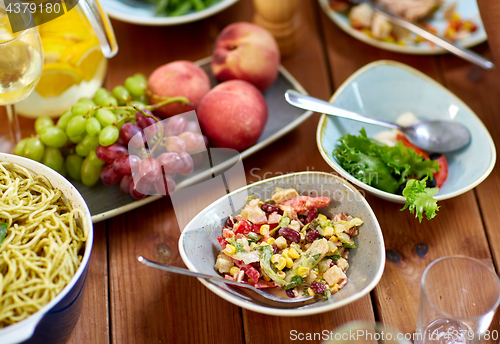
x=21 y=62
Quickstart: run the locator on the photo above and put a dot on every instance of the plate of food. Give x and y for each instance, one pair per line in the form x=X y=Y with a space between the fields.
x=46 y=239
x=458 y=21
x=301 y=234
x=385 y=163
x=163 y=12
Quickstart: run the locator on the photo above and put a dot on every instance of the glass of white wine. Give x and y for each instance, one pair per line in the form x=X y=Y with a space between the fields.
x=21 y=62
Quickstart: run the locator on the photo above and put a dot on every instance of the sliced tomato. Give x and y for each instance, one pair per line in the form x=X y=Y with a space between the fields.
x=402 y=138
x=256 y=228
x=442 y=174
x=227 y=233
x=243 y=227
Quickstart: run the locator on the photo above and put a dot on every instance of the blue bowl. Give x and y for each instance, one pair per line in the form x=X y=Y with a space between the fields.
x=387 y=89
x=54 y=322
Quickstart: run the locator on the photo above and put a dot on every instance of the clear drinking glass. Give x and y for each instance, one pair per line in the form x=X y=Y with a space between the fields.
x=21 y=62
x=458 y=299
x=362 y=332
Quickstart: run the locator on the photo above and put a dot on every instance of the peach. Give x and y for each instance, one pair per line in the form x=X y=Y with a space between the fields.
x=233 y=115
x=247 y=52
x=179 y=78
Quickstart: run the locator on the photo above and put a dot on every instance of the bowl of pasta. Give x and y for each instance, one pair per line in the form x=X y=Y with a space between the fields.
x=46 y=240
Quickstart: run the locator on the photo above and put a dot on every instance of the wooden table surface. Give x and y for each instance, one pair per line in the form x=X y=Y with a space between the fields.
x=129 y=303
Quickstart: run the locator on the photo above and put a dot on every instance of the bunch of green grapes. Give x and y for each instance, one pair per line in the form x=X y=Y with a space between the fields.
x=69 y=147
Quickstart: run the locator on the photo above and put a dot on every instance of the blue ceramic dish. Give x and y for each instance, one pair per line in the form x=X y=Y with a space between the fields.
x=54 y=322
x=387 y=89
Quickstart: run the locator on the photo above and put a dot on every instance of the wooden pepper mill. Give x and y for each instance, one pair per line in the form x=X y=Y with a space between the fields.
x=281 y=19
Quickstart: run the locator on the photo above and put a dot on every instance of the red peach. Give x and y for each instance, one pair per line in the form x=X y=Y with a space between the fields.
x=179 y=78
x=233 y=115
x=247 y=52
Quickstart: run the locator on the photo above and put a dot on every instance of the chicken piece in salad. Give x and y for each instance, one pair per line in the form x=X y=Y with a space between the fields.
x=284 y=242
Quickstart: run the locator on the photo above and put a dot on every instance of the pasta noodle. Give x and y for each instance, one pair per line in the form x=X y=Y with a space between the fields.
x=43 y=247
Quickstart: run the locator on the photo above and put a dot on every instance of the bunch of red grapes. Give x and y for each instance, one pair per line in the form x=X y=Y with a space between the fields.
x=152 y=159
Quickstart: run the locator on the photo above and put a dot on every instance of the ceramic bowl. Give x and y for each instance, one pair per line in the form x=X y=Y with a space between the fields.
x=387 y=89
x=55 y=321
x=198 y=244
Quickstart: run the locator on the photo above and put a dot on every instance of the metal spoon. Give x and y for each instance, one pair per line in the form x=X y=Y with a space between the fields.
x=433 y=136
x=187 y=272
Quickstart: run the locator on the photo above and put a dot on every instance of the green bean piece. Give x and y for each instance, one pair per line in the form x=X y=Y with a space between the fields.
x=181 y=10
x=198 y=5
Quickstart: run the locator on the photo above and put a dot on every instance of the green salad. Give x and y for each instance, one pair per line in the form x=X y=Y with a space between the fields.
x=401 y=169
x=175 y=8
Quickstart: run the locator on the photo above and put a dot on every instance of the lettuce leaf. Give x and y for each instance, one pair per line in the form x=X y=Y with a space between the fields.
x=360 y=156
x=420 y=199
x=379 y=165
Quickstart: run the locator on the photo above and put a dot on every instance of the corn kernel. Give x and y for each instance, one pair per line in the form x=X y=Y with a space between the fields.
x=401 y=42
x=230 y=250
x=322 y=217
x=282 y=263
x=289 y=262
x=264 y=230
x=334 y=238
x=251 y=281
x=334 y=289
x=303 y=271
x=467 y=26
x=279 y=261
x=292 y=253
x=266 y=278
x=455 y=16
x=234 y=270
x=310 y=292
x=450 y=32
x=270 y=241
x=281 y=274
x=328 y=231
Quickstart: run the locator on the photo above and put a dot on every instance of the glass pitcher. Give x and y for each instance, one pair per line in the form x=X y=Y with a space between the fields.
x=76 y=47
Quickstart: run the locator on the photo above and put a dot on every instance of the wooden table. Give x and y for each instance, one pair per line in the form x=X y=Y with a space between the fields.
x=129 y=303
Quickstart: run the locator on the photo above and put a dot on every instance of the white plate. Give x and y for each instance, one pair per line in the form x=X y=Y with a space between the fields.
x=145 y=14
x=466 y=8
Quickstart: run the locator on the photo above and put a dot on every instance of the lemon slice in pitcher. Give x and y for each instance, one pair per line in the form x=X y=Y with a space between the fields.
x=53 y=48
x=57 y=78
x=86 y=56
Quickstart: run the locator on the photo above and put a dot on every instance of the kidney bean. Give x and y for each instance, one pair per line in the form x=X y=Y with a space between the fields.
x=290 y=234
x=271 y=208
x=255 y=265
x=290 y=293
x=275 y=249
x=319 y=288
x=311 y=215
x=312 y=235
x=229 y=223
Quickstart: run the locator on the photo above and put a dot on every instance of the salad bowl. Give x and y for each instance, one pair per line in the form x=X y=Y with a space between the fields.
x=386 y=90
x=198 y=245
